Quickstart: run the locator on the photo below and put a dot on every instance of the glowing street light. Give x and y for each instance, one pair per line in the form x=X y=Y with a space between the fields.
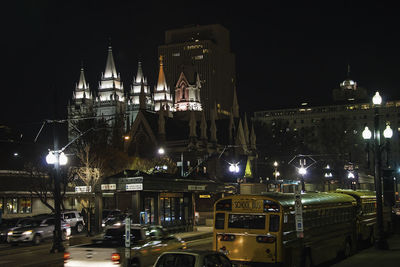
x=234 y=167
x=161 y=151
x=381 y=242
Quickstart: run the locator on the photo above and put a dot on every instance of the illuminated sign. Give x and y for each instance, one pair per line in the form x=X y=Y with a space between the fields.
x=108 y=187
x=134 y=187
x=204 y=196
x=251 y=205
x=196 y=187
x=83 y=189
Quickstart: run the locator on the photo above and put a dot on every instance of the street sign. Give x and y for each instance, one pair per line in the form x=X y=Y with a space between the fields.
x=128 y=232
x=298 y=208
x=83 y=189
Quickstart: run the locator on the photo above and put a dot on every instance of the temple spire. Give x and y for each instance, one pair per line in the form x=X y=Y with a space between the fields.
x=235 y=104
x=110 y=71
x=161 y=83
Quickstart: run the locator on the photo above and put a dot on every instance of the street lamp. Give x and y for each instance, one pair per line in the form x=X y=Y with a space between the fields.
x=276 y=173
x=381 y=242
x=57 y=158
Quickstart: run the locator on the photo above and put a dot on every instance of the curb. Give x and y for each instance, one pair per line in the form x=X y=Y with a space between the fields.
x=199 y=236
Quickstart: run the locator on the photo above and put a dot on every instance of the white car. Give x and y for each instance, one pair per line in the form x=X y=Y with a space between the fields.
x=37 y=230
x=192 y=258
x=75 y=219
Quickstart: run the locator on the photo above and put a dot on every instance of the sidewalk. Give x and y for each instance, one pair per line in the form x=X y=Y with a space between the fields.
x=202 y=232
x=374 y=257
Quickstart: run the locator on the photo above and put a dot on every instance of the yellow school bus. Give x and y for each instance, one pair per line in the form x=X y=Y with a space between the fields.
x=366 y=214
x=262 y=228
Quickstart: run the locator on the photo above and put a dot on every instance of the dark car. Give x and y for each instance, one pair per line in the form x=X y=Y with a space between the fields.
x=192 y=258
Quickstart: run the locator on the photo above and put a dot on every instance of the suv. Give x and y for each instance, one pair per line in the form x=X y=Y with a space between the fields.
x=75 y=219
x=35 y=230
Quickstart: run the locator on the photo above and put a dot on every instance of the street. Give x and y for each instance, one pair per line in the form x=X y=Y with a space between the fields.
x=28 y=255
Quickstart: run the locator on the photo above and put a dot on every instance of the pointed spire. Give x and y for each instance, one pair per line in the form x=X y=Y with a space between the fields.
x=240 y=139
x=231 y=127
x=246 y=129
x=110 y=71
x=253 y=138
x=82 y=81
x=235 y=104
x=139 y=75
x=161 y=83
x=142 y=97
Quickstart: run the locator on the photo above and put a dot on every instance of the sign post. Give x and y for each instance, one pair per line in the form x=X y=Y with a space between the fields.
x=127 y=239
x=298 y=207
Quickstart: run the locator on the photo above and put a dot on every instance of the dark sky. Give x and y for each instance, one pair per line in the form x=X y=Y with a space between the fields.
x=284 y=54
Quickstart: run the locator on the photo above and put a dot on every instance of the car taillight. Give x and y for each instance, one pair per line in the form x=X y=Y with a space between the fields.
x=67 y=225
x=225 y=237
x=266 y=239
x=67 y=255
x=115 y=257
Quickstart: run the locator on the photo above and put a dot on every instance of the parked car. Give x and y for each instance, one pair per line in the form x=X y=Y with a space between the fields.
x=396 y=209
x=74 y=219
x=147 y=243
x=192 y=258
x=37 y=229
x=109 y=217
x=8 y=225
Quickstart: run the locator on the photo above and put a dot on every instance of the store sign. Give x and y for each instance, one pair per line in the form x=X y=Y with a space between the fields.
x=83 y=189
x=196 y=187
x=134 y=187
x=108 y=187
x=204 y=196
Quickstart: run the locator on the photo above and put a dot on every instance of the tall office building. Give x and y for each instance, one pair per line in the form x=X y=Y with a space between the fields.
x=203 y=51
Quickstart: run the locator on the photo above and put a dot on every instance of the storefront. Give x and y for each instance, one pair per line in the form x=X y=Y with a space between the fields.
x=156 y=199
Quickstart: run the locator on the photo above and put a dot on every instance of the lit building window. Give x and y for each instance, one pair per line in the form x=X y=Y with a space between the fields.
x=12 y=205
x=25 y=205
x=199 y=57
x=176 y=54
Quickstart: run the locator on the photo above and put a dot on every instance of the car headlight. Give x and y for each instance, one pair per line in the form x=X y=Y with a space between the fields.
x=29 y=232
x=10 y=233
x=117 y=224
x=103 y=225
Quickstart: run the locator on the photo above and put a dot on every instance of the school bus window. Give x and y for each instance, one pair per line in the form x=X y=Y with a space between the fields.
x=219 y=220
x=246 y=221
x=273 y=223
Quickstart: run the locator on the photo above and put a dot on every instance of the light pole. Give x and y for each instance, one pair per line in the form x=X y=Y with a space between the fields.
x=276 y=173
x=381 y=242
x=57 y=158
x=302 y=171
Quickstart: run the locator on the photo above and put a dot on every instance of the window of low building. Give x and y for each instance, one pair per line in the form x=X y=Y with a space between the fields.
x=25 y=205
x=12 y=205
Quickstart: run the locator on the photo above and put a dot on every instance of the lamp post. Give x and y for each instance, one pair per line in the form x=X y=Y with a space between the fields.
x=57 y=158
x=302 y=171
x=276 y=173
x=381 y=242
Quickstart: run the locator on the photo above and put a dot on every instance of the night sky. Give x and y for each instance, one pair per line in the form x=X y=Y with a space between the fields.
x=285 y=55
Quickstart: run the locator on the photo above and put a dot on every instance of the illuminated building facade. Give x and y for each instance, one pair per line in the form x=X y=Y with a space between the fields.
x=204 y=50
x=343 y=121
x=187 y=96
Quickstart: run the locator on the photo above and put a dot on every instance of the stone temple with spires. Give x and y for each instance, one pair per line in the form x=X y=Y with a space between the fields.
x=174 y=119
